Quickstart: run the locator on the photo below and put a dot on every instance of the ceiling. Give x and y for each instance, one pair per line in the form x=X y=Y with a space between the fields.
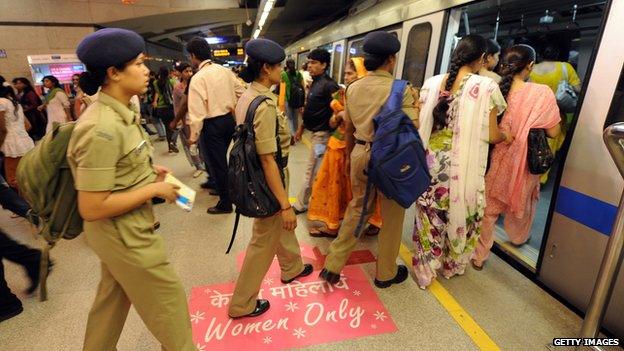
x=288 y=21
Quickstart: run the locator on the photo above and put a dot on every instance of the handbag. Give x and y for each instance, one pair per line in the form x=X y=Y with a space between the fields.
x=565 y=95
x=539 y=156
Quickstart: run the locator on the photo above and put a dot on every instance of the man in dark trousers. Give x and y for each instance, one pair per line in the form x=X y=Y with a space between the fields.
x=10 y=305
x=213 y=94
x=316 y=116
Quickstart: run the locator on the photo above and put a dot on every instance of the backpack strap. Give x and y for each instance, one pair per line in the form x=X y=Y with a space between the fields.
x=233 y=232
x=395 y=99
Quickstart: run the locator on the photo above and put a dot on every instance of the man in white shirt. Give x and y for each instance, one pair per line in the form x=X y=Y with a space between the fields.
x=213 y=93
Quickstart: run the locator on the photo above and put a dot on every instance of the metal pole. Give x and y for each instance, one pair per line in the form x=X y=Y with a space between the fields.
x=612 y=260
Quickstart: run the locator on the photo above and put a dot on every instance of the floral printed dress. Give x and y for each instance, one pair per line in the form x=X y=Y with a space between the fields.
x=433 y=249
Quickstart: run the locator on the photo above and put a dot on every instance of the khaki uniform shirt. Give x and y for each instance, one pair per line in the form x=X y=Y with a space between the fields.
x=109 y=151
x=366 y=96
x=213 y=92
x=267 y=115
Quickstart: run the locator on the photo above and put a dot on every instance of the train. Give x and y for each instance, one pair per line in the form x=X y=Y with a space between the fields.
x=579 y=201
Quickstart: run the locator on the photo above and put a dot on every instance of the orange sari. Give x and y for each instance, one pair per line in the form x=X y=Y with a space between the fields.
x=331 y=191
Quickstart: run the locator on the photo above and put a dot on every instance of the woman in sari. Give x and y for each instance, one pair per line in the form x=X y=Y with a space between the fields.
x=331 y=191
x=510 y=188
x=457 y=120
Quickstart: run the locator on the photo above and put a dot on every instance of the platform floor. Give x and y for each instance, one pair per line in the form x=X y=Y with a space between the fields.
x=514 y=312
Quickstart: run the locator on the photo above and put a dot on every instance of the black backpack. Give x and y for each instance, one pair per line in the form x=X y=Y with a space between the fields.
x=249 y=190
x=297 y=94
x=539 y=155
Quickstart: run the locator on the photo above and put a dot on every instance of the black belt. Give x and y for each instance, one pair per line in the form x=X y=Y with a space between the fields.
x=362 y=142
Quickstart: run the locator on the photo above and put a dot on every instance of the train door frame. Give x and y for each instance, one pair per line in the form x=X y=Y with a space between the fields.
x=573 y=245
x=340 y=67
x=436 y=20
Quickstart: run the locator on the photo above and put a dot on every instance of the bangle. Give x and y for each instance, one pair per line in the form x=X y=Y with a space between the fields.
x=286 y=209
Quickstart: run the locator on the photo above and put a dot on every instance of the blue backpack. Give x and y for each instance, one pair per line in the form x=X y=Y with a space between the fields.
x=397 y=166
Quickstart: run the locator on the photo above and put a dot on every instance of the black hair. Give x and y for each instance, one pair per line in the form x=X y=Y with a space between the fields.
x=8 y=93
x=373 y=62
x=2 y=80
x=468 y=50
x=492 y=47
x=94 y=77
x=162 y=78
x=291 y=67
x=320 y=55
x=550 y=53
x=200 y=48
x=515 y=59
x=27 y=85
x=182 y=66
x=252 y=70
x=54 y=81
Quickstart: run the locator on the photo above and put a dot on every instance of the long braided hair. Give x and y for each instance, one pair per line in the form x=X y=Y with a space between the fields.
x=516 y=59
x=468 y=50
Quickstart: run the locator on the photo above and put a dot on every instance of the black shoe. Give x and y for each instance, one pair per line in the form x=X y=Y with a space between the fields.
x=400 y=277
x=12 y=312
x=298 y=211
x=220 y=209
x=208 y=185
x=330 y=277
x=261 y=307
x=173 y=149
x=307 y=270
x=158 y=200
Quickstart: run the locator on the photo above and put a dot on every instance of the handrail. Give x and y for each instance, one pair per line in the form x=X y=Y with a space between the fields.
x=613 y=137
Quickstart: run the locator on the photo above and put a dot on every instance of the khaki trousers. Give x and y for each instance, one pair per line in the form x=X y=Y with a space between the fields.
x=268 y=239
x=389 y=239
x=135 y=270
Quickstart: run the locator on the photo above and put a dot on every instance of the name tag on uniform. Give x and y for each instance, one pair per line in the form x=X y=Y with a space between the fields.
x=140 y=147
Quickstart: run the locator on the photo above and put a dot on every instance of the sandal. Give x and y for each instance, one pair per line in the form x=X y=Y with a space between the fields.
x=476 y=266
x=322 y=234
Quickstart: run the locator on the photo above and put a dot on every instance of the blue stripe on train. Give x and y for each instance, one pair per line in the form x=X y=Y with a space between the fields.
x=589 y=211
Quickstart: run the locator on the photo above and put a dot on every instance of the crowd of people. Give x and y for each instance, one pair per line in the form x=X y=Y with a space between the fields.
x=459 y=114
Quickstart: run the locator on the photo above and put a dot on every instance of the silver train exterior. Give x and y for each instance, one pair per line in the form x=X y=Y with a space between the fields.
x=588 y=186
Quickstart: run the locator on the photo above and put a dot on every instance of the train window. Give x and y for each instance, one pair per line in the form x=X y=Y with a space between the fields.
x=337 y=61
x=355 y=49
x=416 y=53
x=302 y=58
x=616 y=111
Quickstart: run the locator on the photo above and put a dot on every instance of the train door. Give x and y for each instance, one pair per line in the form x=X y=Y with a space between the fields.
x=563 y=33
x=590 y=186
x=354 y=45
x=420 y=40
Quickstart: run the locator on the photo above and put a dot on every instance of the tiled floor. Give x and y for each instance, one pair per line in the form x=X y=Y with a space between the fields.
x=513 y=311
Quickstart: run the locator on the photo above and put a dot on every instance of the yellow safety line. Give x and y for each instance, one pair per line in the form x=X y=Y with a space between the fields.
x=470 y=327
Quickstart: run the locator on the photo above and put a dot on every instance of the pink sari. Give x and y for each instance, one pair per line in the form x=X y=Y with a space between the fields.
x=534 y=106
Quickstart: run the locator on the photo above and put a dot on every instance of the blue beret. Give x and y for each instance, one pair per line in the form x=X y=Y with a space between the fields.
x=265 y=50
x=110 y=47
x=381 y=43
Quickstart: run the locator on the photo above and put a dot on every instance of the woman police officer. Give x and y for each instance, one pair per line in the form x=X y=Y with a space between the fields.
x=274 y=235
x=111 y=160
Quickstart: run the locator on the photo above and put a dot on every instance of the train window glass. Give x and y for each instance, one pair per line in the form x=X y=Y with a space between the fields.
x=302 y=58
x=416 y=53
x=616 y=111
x=355 y=49
x=559 y=31
x=337 y=61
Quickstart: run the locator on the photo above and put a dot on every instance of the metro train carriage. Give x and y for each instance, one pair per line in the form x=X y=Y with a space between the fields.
x=579 y=199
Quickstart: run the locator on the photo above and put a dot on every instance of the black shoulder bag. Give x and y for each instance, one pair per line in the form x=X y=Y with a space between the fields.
x=249 y=190
x=539 y=156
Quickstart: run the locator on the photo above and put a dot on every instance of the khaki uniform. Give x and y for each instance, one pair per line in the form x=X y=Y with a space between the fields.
x=364 y=98
x=109 y=151
x=268 y=238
